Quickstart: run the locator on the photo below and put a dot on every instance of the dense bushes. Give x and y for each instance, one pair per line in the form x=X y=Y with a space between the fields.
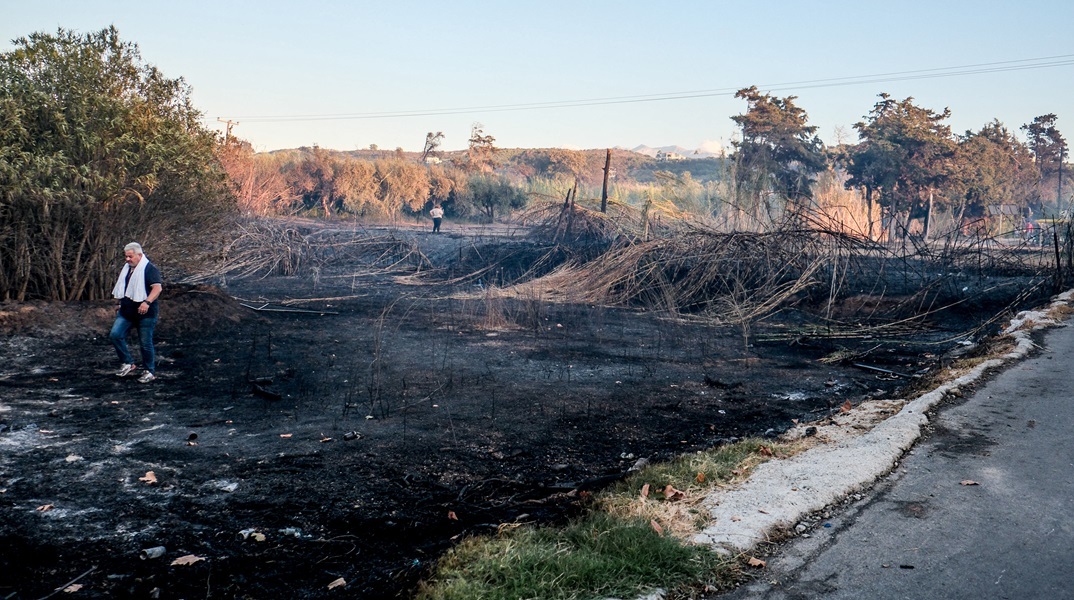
x=97 y=149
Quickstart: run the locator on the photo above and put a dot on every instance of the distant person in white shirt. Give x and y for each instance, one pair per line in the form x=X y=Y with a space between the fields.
x=437 y=214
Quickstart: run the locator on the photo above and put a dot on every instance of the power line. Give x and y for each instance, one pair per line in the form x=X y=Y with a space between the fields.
x=933 y=73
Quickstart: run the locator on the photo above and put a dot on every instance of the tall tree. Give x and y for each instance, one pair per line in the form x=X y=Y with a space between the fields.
x=1046 y=143
x=992 y=167
x=1049 y=151
x=96 y=148
x=778 y=151
x=906 y=153
x=482 y=150
x=432 y=143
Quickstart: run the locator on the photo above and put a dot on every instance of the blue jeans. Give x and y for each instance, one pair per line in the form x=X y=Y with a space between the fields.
x=118 y=336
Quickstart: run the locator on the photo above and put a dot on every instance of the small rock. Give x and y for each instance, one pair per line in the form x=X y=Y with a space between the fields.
x=800 y=528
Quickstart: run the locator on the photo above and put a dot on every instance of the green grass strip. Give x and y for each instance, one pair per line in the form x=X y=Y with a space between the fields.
x=596 y=557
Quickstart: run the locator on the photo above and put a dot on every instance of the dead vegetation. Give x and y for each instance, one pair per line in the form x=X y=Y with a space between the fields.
x=263 y=247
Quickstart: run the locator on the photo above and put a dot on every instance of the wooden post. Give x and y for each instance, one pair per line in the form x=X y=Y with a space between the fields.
x=1058 y=261
x=604 y=191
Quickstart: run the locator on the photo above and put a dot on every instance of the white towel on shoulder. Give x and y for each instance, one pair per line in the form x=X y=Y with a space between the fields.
x=135 y=290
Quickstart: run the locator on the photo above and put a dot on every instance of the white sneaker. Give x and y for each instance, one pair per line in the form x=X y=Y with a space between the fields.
x=125 y=370
x=146 y=377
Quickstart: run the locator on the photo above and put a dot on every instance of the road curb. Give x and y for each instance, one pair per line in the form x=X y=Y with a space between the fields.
x=780 y=492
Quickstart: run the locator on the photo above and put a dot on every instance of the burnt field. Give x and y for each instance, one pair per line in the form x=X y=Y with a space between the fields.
x=344 y=421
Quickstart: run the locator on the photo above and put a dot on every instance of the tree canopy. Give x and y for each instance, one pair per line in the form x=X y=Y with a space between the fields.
x=778 y=149
x=97 y=148
x=906 y=153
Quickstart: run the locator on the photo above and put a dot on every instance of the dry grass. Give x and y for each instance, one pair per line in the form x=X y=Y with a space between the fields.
x=263 y=247
x=729 y=277
x=668 y=494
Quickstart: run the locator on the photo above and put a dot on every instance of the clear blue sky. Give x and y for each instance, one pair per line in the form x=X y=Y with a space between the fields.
x=276 y=58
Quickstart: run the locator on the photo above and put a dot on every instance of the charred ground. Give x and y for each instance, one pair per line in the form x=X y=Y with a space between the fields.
x=364 y=436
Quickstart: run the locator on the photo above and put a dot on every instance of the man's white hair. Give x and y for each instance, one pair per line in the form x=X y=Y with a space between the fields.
x=133 y=246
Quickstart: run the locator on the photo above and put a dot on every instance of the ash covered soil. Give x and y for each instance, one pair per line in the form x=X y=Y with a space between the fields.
x=363 y=438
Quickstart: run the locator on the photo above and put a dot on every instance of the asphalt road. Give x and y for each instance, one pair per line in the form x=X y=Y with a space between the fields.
x=921 y=533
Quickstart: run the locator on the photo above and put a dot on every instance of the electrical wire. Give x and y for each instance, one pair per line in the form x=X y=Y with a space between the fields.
x=933 y=73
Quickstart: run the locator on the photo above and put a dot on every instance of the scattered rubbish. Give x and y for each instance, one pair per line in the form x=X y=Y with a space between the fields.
x=74 y=587
x=337 y=583
x=673 y=494
x=151 y=553
x=881 y=370
x=827 y=525
x=73 y=458
x=45 y=508
x=968 y=482
x=292 y=531
x=189 y=559
x=192 y=437
x=253 y=534
x=150 y=478
x=259 y=390
x=225 y=486
x=756 y=562
x=351 y=435
x=265 y=308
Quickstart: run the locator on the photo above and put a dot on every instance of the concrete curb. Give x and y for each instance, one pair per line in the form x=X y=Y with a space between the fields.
x=780 y=492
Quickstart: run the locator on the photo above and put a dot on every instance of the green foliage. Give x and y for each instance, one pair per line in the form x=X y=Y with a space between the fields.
x=718 y=465
x=487 y=195
x=993 y=167
x=1046 y=143
x=597 y=557
x=906 y=154
x=778 y=150
x=96 y=149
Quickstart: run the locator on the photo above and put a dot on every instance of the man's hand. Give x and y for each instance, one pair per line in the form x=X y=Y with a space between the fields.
x=143 y=308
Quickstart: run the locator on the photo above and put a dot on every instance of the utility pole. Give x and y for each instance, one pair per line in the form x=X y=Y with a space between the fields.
x=604 y=192
x=230 y=124
x=1059 y=194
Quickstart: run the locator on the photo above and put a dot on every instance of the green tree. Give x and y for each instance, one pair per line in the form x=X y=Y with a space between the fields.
x=906 y=153
x=992 y=167
x=96 y=148
x=1046 y=143
x=487 y=195
x=778 y=151
x=1049 y=148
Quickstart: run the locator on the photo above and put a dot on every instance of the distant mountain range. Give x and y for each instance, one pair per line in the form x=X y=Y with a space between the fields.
x=650 y=151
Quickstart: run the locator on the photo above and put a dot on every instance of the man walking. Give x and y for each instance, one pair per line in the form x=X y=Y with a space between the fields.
x=138 y=289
